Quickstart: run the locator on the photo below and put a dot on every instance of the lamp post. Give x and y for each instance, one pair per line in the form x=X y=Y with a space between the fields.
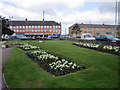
x=43 y=25
x=0 y=28
x=116 y=17
x=10 y=19
x=65 y=32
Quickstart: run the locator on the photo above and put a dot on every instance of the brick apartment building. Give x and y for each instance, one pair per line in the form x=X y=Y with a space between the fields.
x=35 y=28
x=96 y=29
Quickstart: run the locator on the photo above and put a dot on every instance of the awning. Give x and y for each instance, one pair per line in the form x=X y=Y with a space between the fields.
x=33 y=33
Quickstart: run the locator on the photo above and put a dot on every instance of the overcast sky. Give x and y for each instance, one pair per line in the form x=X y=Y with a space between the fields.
x=67 y=12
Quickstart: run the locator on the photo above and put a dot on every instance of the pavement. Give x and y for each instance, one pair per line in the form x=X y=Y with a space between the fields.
x=4 y=54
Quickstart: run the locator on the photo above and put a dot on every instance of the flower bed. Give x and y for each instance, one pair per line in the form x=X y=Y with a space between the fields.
x=26 y=47
x=53 y=64
x=104 y=48
x=17 y=43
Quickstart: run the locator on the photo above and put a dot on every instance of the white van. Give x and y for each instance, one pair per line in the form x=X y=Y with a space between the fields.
x=87 y=36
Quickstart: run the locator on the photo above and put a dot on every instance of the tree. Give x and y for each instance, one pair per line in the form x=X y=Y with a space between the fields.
x=5 y=25
x=76 y=29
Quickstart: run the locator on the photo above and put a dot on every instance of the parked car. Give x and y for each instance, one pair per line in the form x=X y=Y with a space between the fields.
x=13 y=37
x=87 y=36
x=107 y=38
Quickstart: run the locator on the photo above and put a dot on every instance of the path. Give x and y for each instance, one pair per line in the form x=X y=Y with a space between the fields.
x=4 y=54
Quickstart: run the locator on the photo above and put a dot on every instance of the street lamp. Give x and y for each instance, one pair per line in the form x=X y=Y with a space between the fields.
x=0 y=28
x=11 y=19
x=43 y=25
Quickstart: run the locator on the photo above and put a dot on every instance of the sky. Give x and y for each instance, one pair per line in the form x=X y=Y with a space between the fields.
x=66 y=12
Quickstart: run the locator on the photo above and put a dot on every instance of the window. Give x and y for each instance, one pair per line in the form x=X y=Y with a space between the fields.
x=112 y=28
x=20 y=30
x=56 y=26
x=85 y=31
x=17 y=26
x=14 y=31
x=47 y=26
x=38 y=26
x=50 y=30
x=50 y=26
x=44 y=26
x=44 y=30
x=32 y=30
x=26 y=30
x=47 y=30
x=41 y=26
x=59 y=30
x=32 y=26
x=35 y=26
x=10 y=26
x=23 y=30
x=14 y=26
x=23 y=26
x=85 y=28
x=35 y=30
x=29 y=26
x=26 y=26
x=56 y=30
x=103 y=31
x=53 y=30
x=38 y=30
x=59 y=26
x=29 y=30
x=53 y=26
x=41 y=30
x=97 y=28
x=17 y=31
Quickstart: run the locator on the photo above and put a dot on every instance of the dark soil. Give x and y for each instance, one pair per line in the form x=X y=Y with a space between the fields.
x=45 y=67
x=97 y=49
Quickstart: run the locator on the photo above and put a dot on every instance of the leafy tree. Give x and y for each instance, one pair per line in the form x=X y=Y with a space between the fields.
x=5 y=25
x=76 y=29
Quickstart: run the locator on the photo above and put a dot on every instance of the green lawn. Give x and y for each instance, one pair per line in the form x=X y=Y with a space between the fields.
x=1 y=42
x=101 y=68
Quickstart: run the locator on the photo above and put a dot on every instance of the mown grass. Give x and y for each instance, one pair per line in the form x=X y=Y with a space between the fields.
x=101 y=68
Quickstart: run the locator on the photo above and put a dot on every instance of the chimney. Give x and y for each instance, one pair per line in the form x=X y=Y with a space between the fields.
x=26 y=19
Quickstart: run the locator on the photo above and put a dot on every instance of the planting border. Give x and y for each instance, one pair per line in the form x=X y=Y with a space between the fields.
x=97 y=49
x=52 y=71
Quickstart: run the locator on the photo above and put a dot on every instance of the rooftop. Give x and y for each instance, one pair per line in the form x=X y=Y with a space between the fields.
x=27 y=23
x=96 y=26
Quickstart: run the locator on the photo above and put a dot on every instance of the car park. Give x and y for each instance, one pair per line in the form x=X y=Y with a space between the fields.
x=109 y=38
x=87 y=36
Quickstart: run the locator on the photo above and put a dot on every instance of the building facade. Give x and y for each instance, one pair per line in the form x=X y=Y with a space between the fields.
x=96 y=29
x=35 y=28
